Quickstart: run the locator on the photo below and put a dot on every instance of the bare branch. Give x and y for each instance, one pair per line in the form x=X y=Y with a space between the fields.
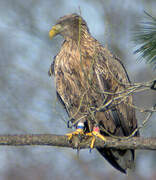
x=62 y=141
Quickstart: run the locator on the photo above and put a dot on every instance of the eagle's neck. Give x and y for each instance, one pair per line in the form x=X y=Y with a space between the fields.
x=88 y=44
x=75 y=55
x=85 y=44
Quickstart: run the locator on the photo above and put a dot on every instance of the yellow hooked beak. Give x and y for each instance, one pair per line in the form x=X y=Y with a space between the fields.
x=55 y=30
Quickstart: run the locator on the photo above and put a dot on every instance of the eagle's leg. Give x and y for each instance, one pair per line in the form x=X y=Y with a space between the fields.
x=95 y=133
x=79 y=131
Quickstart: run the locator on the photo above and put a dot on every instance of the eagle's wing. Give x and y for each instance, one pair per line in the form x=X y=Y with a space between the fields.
x=112 y=77
x=119 y=119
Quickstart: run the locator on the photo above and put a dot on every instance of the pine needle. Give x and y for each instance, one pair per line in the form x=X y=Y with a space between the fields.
x=145 y=37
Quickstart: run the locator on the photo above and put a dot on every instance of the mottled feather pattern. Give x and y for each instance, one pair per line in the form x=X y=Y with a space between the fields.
x=88 y=77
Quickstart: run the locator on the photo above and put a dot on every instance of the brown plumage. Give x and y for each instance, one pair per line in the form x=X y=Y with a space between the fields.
x=91 y=83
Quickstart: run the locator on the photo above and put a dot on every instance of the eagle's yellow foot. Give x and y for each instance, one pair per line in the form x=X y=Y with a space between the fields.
x=95 y=133
x=79 y=131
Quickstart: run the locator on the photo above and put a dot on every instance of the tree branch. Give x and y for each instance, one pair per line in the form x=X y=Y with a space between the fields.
x=62 y=141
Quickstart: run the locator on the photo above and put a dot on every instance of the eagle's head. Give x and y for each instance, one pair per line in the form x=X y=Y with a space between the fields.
x=70 y=27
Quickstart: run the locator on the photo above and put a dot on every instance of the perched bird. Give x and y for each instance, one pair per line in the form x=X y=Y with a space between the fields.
x=93 y=86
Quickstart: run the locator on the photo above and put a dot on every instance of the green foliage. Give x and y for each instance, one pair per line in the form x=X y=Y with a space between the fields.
x=145 y=37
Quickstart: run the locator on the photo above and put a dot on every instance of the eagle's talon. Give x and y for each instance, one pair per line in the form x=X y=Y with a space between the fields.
x=95 y=133
x=78 y=132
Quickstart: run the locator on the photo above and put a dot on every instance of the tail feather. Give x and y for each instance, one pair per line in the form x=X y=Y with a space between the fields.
x=119 y=159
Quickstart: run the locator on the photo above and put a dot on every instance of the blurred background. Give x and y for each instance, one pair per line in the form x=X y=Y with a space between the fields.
x=27 y=95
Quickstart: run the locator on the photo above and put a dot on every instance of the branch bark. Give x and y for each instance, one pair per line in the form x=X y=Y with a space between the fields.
x=62 y=141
